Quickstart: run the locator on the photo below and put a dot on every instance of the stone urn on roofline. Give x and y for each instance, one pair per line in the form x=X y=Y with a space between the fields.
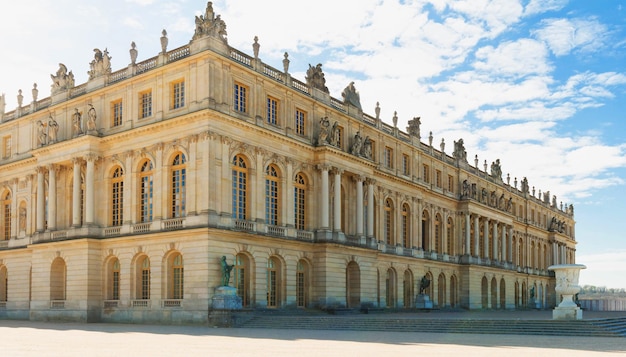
x=567 y=286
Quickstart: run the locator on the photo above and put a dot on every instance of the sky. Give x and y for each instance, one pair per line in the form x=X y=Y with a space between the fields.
x=538 y=84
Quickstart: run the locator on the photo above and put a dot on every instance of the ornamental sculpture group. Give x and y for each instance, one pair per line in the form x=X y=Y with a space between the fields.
x=47 y=131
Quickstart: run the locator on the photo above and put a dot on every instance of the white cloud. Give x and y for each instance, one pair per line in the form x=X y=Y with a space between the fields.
x=513 y=59
x=539 y=6
x=565 y=35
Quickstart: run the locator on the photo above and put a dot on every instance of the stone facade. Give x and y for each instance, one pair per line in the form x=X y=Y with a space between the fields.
x=120 y=195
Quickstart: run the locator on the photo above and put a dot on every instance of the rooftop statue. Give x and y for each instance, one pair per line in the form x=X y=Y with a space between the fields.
x=62 y=80
x=100 y=65
x=351 y=96
x=414 y=127
x=459 y=150
x=315 y=78
x=496 y=170
x=210 y=24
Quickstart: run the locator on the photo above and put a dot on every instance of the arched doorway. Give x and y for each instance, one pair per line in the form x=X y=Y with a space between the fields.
x=58 y=276
x=302 y=283
x=353 y=285
x=484 y=291
x=390 y=288
x=502 y=294
x=454 y=296
x=274 y=283
x=408 y=289
x=441 y=290
x=494 y=293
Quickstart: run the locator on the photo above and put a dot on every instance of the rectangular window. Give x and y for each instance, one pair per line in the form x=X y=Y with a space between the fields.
x=339 y=136
x=272 y=111
x=451 y=183
x=240 y=98
x=116 y=113
x=116 y=285
x=388 y=159
x=6 y=147
x=406 y=165
x=438 y=178
x=177 y=93
x=300 y=121
x=145 y=104
x=426 y=174
x=178 y=283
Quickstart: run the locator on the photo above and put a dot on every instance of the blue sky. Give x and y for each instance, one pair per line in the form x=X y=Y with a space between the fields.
x=540 y=85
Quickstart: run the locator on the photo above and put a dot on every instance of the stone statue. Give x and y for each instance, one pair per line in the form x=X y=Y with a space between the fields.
x=41 y=133
x=554 y=201
x=466 y=189
x=496 y=170
x=442 y=146
x=256 y=46
x=100 y=65
x=334 y=135
x=351 y=96
x=35 y=92
x=77 y=128
x=164 y=41
x=322 y=138
x=357 y=144
x=210 y=25
x=62 y=80
x=286 y=63
x=525 y=185
x=532 y=293
x=424 y=284
x=459 y=151
x=20 y=98
x=226 y=269
x=315 y=78
x=414 y=127
x=133 y=53
x=53 y=129
x=22 y=222
x=91 y=118
x=377 y=110
x=366 y=151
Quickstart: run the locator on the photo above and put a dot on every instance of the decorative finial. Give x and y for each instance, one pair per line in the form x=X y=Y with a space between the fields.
x=430 y=139
x=255 y=47
x=133 y=53
x=395 y=119
x=164 y=41
x=20 y=98
x=286 y=63
x=377 y=111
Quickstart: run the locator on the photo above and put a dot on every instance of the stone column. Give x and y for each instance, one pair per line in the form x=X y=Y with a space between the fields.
x=494 y=251
x=76 y=212
x=503 y=240
x=130 y=186
x=40 y=200
x=359 y=205
x=325 y=200
x=370 y=207
x=90 y=190
x=468 y=248
x=52 y=198
x=288 y=214
x=486 y=239
x=191 y=197
x=510 y=242
x=476 y=236
x=337 y=201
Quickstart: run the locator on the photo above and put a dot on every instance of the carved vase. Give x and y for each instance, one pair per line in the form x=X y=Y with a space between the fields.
x=567 y=286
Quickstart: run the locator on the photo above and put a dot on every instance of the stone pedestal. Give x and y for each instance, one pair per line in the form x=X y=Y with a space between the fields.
x=225 y=298
x=567 y=286
x=423 y=302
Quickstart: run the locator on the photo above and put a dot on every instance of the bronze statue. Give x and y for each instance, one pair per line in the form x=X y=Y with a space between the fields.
x=226 y=271
x=424 y=283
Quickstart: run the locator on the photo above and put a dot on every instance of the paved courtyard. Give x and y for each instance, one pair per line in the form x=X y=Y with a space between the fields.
x=26 y=338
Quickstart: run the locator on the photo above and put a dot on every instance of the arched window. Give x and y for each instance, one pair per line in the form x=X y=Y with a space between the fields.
x=146 y=189
x=302 y=284
x=390 y=287
x=178 y=175
x=450 y=237
x=406 y=226
x=425 y=231
x=143 y=279
x=117 y=197
x=4 y=284
x=441 y=290
x=481 y=240
x=272 y=196
x=299 y=195
x=6 y=216
x=58 y=276
x=454 y=296
x=484 y=293
x=408 y=289
x=502 y=294
x=389 y=221
x=113 y=279
x=353 y=284
x=242 y=278
x=273 y=282
x=520 y=254
x=240 y=187
x=175 y=276
x=438 y=235
x=494 y=293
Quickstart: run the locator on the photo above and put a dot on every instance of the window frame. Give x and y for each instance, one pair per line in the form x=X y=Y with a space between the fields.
x=117 y=113
x=300 y=122
x=240 y=97
x=145 y=104
x=177 y=94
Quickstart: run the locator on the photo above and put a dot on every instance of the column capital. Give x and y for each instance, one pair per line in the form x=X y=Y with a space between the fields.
x=337 y=171
x=91 y=157
x=40 y=169
x=323 y=167
x=370 y=181
x=358 y=178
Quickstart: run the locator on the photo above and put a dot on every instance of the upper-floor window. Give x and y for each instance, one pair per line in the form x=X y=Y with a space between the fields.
x=272 y=195
x=7 y=145
x=300 y=202
x=388 y=159
x=241 y=98
x=240 y=187
x=145 y=192
x=451 y=183
x=438 y=178
x=300 y=121
x=6 y=216
x=145 y=104
x=426 y=173
x=272 y=110
x=178 y=184
x=389 y=223
x=116 y=113
x=177 y=94
x=406 y=165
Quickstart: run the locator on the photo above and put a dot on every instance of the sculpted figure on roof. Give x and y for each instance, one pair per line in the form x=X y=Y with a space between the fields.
x=100 y=65
x=210 y=24
x=351 y=96
x=315 y=78
x=62 y=80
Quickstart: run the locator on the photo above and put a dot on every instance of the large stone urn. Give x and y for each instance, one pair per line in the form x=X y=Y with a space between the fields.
x=567 y=286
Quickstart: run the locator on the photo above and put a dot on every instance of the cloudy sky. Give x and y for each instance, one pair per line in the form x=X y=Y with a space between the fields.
x=538 y=84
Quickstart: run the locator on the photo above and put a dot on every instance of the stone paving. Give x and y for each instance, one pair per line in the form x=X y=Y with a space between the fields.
x=27 y=338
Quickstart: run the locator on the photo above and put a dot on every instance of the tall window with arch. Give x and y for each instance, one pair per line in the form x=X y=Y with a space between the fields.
x=117 y=197
x=6 y=216
x=240 y=187
x=302 y=284
x=143 y=279
x=406 y=226
x=299 y=198
x=272 y=196
x=146 y=189
x=175 y=277
x=4 y=284
x=113 y=281
x=178 y=175
x=273 y=282
x=438 y=235
x=242 y=278
x=449 y=236
x=389 y=221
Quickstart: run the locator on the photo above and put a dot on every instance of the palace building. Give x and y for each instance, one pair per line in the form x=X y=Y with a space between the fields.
x=120 y=195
